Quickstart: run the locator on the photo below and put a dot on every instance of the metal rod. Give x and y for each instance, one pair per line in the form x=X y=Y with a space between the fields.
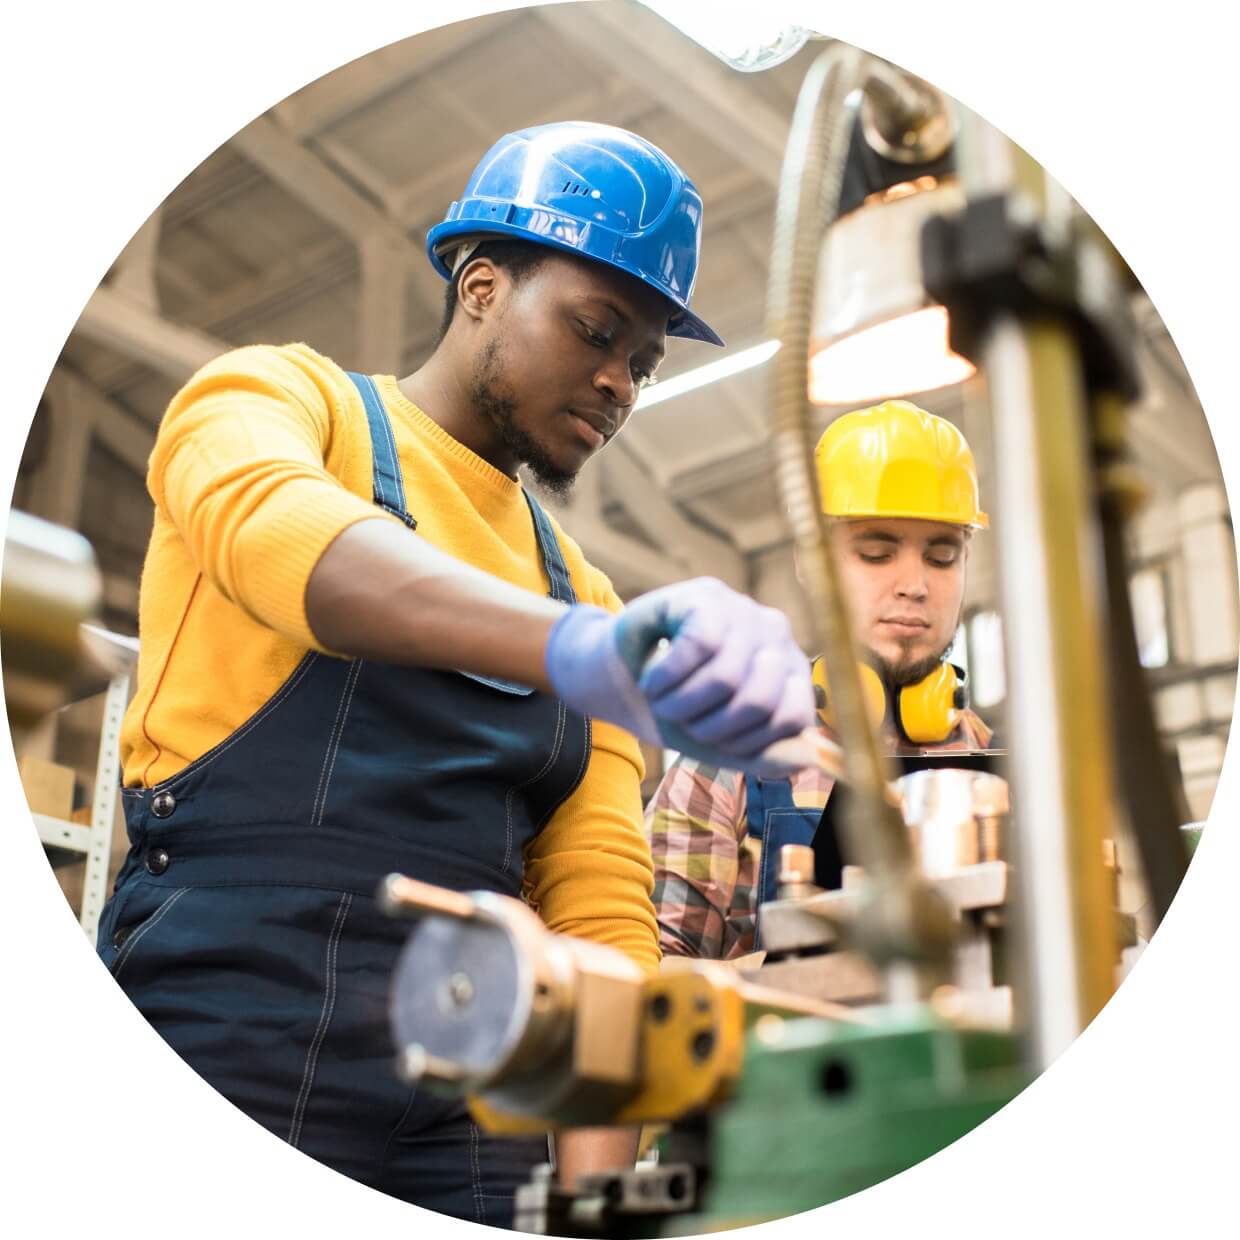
x=1060 y=756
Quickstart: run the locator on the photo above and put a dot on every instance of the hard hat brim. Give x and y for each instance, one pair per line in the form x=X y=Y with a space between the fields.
x=682 y=323
x=980 y=522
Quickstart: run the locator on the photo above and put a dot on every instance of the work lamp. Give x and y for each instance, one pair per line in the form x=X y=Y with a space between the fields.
x=875 y=331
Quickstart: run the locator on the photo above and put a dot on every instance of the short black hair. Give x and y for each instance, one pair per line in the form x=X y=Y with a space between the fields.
x=516 y=258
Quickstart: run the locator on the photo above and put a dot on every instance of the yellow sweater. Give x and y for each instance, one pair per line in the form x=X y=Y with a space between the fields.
x=262 y=459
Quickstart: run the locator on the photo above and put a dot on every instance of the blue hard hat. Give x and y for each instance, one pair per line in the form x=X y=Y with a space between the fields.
x=593 y=190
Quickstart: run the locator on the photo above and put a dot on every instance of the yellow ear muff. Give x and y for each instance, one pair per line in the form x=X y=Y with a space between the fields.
x=871 y=687
x=929 y=710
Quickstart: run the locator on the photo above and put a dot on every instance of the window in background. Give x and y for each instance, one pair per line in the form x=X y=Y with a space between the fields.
x=986 y=671
x=1148 y=591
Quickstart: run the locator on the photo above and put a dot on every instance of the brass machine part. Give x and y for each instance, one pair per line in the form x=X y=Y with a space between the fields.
x=796 y=872
x=954 y=817
x=51 y=585
x=541 y=1030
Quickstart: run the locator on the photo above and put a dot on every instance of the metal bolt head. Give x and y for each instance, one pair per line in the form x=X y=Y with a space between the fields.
x=769 y=1029
x=456 y=992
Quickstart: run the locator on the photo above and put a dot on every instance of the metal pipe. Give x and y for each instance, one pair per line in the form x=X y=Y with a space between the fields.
x=809 y=190
x=1060 y=755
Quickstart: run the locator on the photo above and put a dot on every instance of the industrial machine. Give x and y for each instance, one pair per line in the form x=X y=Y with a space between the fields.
x=776 y=1102
x=51 y=587
x=775 y=1105
x=977 y=938
x=978 y=934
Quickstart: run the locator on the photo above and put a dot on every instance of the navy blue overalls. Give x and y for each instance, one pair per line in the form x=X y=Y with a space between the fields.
x=774 y=819
x=243 y=924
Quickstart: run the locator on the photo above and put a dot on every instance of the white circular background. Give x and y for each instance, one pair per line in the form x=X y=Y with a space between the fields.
x=107 y=107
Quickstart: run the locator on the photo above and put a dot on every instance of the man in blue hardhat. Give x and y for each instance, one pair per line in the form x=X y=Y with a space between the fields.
x=366 y=648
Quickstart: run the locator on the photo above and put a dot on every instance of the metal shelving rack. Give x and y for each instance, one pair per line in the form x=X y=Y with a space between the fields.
x=68 y=843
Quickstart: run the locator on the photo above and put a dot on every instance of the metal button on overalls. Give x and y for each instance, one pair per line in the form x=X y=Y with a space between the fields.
x=162 y=804
x=157 y=861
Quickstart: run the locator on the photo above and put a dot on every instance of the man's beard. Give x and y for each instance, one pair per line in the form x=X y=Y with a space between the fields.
x=498 y=405
x=897 y=675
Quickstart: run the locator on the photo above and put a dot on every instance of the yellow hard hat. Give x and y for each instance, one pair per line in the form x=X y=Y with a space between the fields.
x=896 y=460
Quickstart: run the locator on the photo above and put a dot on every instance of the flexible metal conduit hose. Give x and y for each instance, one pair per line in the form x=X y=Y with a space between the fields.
x=907 y=925
x=809 y=191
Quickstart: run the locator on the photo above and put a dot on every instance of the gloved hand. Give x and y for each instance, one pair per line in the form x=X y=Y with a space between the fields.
x=730 y=682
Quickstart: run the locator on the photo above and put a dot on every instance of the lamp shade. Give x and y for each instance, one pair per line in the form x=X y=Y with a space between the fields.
x=875 y=332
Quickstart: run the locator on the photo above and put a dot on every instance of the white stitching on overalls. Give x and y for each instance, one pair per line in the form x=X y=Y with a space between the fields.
x=480 y=1210
x=136 y=937
x=557 y=744
x=376 y=479
x=333 y=745
x=398 y=498
x=586 y=751
x=768 y=853
x=329 y=1005
x=263 y=711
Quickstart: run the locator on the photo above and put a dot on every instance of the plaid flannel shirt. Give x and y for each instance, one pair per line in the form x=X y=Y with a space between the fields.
x=706 y=862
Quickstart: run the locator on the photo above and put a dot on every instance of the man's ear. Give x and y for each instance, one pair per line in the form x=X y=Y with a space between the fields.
x=478 y=287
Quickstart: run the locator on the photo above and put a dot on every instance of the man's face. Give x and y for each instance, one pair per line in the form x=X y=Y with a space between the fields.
x=904 y=581
x=566 y=354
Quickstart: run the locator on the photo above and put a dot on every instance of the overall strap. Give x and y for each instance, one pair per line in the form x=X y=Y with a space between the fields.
x=553 y=559
x=389 y=488
x=755 y=810
x=762 y=796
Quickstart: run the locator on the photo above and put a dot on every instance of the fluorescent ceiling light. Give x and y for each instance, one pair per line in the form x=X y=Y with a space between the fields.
x=691 y=380
x=746 y=37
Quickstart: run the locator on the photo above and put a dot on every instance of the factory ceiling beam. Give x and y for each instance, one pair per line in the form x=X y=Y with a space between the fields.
x=334 y=96
x=136 y=332
x=687 y=80
x=379 y=343
x=54 y=489
x=632 y=565
x=133 y=273
x=700 y=477
x=300 y=171
x=127 y=438
x=664 y=523
x=235 y=312
x=304 y=175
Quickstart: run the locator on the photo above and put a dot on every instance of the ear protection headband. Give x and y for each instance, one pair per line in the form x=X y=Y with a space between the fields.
x=924 y=713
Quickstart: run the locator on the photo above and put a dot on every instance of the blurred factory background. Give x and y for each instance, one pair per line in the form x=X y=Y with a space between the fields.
x=309 y=225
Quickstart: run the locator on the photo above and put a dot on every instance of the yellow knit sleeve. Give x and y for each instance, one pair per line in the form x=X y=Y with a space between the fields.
x=588 y=872
x=239 y=468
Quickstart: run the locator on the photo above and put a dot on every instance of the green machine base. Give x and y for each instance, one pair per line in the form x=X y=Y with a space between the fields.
x=824 y=1110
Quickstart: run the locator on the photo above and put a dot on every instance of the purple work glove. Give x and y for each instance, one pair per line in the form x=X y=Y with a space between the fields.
x=731 y=681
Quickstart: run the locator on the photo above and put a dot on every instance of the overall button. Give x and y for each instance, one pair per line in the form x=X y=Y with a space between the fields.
x=163 y=804
x=157 y=860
